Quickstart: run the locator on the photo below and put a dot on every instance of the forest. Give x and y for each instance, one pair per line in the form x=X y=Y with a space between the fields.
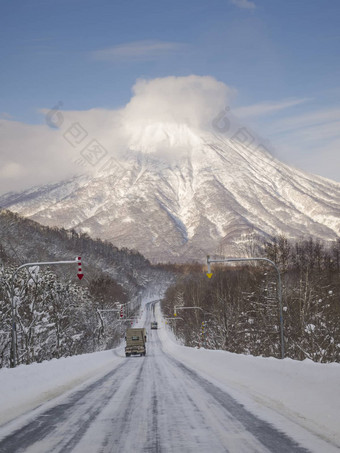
x=55 y=314
x=238 y=307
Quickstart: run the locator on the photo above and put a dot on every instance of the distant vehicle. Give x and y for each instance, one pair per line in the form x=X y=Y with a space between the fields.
x=154 y=325
x=135 y=342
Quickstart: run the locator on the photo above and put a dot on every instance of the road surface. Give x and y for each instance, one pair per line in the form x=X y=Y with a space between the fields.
x=148 y=404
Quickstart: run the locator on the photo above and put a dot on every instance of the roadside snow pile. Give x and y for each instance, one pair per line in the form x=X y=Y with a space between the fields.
x=28 y=386
x=306 y=393
x=290 y=394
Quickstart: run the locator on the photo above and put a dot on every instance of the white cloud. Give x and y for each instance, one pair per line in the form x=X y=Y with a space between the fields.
x=310 y=140
x=264 y=108
x=11 y=170
x=146 y=50
x=164 y=113
x=193 y=100
x=318 y=130
x=244 y=4
x=5 y=116
x=314 y=118
x=31 y=154
x=39 y=154
x=165 y=117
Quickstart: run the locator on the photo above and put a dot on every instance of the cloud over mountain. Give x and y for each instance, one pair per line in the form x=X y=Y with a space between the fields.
x=38 y=154
x=165 y=117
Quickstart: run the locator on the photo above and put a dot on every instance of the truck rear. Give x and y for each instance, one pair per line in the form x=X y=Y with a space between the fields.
x=135 y=341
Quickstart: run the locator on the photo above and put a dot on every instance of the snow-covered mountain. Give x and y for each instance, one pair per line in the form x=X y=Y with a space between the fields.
x=180 y=193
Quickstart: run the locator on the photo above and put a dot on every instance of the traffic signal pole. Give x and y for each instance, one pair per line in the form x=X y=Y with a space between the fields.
x=12 y=297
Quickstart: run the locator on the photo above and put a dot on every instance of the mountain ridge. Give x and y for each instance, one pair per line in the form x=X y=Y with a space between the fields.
x=180 y=203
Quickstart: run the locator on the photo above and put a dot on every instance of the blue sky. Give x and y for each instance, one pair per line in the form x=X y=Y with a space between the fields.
x=281 y=58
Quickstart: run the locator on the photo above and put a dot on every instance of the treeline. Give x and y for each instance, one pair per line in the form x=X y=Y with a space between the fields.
x=23 y=240
x=56 y=319
x=239 y=305
x=56 y=315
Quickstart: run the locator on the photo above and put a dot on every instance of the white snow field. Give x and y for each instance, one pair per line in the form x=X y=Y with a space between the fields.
x=176 y=399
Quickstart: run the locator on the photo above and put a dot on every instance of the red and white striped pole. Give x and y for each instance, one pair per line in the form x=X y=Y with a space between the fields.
x=80 y=274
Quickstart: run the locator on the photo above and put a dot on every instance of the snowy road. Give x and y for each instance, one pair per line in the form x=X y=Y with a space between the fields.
x=148 y=404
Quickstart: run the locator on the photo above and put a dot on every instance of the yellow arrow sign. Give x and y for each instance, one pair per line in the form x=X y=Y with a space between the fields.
x=175 y=314
x=209 y=275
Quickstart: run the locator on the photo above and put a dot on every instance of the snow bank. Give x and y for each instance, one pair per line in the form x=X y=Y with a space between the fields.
x=283 y=391
x=28 y=386
x=306 y=392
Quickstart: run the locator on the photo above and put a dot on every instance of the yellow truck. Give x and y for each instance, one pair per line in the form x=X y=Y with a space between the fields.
x=135 y=341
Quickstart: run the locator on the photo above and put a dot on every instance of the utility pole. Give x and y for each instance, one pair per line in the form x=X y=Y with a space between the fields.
x=279 y=287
